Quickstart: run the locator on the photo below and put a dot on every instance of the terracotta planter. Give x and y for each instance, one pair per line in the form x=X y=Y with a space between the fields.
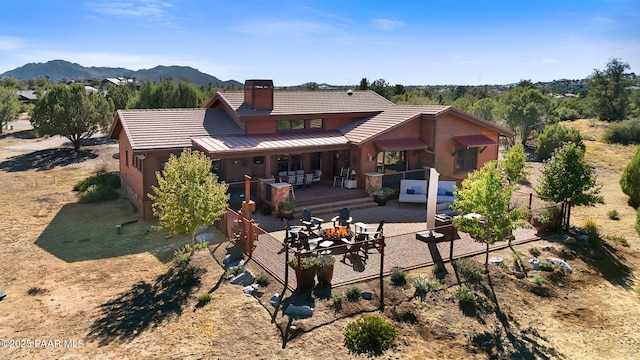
x=325 y=274
x=306 y=279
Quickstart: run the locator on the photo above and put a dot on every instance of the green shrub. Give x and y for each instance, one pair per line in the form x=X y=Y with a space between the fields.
x=465 y=296
x=306 y=263
x=204 y=298
x=469 y=269
x=336 y=302
x=98 y=193
x=182 y=255
x=190 y=276
x=546 y=266
x=398 y=276
x=613 y=215
x=263 y=280
x=638 y=221
x=618 y=239
x=438 y=268
x=593 y=236
x=370 y=334
x=534 y=251
x=326 y=260
x=624 y=132
x=234 y=271
x=537 y=279
x=353 y=293
x=110 y=179
x=630 y=180
x=554 y=136
x=424 y=285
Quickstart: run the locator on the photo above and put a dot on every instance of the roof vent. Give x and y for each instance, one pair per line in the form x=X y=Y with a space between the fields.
x=349 y=92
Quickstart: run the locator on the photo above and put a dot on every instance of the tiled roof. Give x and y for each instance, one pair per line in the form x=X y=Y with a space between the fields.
x=400 y=144
x=365 y=129
x=173 y=128
x=282 y=141
x=311 y=102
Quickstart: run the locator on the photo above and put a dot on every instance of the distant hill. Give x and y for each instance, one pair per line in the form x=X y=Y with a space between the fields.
x=58 y=70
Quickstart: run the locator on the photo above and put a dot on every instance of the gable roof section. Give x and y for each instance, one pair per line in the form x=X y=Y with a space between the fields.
x=171 y=128
x=308 y=103
x=394 y=116
x=366 y=129
x=280 y=141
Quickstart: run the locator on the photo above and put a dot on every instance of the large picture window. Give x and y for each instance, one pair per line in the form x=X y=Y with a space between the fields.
x=392 y=161
x=466 y=159
x=286 y=125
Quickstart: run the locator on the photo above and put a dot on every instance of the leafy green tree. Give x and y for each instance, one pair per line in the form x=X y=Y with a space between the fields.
x=514 y=163
x=120 y=96
x=484 y=108
x=487 y=192
x=168 y=94
x=608 y=91
x=9 y=106
x=567 y=178
x=382 y=87
x=553 y=137
x=188 y=194
x=523 y=109
x=71 y=112
x=630 y=180
x=364 y=84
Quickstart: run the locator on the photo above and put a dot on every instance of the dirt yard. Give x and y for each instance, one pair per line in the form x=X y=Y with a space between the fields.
x=77 y=289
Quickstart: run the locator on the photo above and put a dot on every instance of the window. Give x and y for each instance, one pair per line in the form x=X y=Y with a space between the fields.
x=466 y=159
x=286 y=125
x=290 y=162
x=137 y=162
x=126 y=158
x=316 y=161
x=392 y=161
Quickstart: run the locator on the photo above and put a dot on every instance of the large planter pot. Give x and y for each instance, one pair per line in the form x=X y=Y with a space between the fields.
x=325 y=274
x=306 y=279
x=380 y=200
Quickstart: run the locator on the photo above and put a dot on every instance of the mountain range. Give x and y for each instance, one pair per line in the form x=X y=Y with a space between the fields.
x=59 y=70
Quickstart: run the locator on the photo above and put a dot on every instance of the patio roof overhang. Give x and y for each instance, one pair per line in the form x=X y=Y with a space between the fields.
x=270 y=142
x=469 y=141
x=400 y=144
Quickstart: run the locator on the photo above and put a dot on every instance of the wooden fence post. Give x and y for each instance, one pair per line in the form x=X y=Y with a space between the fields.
x=381 y=273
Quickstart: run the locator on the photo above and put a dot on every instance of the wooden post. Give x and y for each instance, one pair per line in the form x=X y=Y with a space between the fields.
x=286 y=266
x=250 y=235
x=530 y=200
x=453 y=235
x=381 y=273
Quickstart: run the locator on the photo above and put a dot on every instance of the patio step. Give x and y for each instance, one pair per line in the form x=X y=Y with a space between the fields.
x=332 y=208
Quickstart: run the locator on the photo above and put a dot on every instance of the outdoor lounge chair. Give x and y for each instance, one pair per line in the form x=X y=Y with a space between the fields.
x=339 y=180
x=311 y=223
x=343 y=219
x=292 y=234
x=374 y=235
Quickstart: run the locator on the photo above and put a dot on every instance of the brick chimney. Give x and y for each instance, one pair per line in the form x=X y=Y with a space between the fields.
x=259 y=94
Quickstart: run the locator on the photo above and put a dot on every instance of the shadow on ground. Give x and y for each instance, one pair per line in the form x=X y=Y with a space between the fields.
x=144 y=306
x=47 y=159
x=22 y=134
x=80 y=232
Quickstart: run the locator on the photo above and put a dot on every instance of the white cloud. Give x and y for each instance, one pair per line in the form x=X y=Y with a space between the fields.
x=549 y=61
x=142 y=8
x=386 y=24
x=603 y=20
x=10 y=43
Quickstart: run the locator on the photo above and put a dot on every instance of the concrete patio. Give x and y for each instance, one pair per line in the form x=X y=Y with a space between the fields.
x=402 y=221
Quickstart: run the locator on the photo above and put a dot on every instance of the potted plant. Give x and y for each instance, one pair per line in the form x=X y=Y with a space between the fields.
x=547 y=221
x=325 y=268
x=305 y=273
x=382 y=195
x=286 y=209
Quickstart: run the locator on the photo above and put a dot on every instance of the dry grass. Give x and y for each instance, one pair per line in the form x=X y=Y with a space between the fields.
x=118 y=293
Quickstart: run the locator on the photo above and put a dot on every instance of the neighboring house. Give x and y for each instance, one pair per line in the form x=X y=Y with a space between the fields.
x=262 y=132
x=27 y=96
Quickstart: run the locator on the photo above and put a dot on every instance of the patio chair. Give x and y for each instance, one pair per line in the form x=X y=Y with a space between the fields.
x=311 y=223
x=344 y=174
x=374 y=235
x=292 y=234
x=355 y=248
x=299 y=179
x=343 y=219
x=317 y=176
x=308 y=179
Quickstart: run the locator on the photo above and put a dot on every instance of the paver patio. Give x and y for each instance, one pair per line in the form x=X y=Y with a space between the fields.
x=402 y=248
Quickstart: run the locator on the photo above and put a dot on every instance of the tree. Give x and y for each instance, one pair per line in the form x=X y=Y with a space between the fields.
x=364 y=84
x=487 y=192
x=567 y=178
x=514 y=164
x=168 y=94
x=553 y=137
x=484 y=108
x=381 y=86
x=630 y=180
x=120 y=96
x=188 y=194
x=522 y=109
x=9 y=106
x=608 y=91
x=72 y=113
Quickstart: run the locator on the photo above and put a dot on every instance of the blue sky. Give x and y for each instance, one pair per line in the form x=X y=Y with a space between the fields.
x=336 y=42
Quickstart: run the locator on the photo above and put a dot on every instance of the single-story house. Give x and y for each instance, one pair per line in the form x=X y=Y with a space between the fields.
x=263 y=132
